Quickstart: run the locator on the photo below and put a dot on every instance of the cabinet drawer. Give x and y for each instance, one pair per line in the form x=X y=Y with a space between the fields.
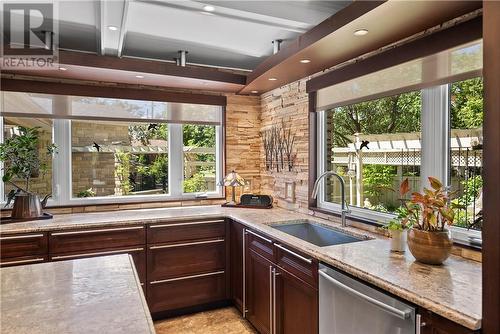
x=95 y=239
x=187 y=291
x=186 y=231
x=260 y=244
x=185 y=259
x=138 y=255
x=298 y=264
x=21 y=261
x=23 y=245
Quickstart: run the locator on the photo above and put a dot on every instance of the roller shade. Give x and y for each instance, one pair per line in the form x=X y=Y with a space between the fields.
x=460 y=63
x=97 y=108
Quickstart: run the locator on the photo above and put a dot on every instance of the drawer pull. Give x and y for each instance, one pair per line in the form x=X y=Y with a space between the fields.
x=98 y=231
x=38 y=259
x=186 y=277
x=187 y=224
x=15 y=237
x=260 y=237
x=187 y=244
x=294 y=254
x=61 y=257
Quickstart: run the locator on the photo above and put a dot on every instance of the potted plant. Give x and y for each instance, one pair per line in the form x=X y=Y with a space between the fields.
x=21 y=158
x=430 y=212
x=398 y=228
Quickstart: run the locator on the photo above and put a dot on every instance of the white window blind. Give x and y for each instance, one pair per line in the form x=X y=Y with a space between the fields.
x=460 y=63
x=77 y=107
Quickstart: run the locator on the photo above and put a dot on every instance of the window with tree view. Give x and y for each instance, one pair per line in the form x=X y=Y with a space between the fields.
x=373 y=145
x=199 y=158
x=112 y=150
x=118 y=158
x=466 y=151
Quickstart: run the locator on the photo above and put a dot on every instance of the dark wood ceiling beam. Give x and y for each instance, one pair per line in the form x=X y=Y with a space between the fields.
x=149 y=66
x=325 y=28
x=426 y=46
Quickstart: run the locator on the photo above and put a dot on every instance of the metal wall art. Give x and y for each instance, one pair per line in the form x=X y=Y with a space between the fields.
x=279 y=147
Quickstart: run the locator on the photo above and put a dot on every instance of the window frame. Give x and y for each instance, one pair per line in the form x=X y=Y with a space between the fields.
x=62 y=169
x=431 y=97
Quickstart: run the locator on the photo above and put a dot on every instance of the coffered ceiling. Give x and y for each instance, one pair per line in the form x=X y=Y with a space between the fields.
x=234 y=34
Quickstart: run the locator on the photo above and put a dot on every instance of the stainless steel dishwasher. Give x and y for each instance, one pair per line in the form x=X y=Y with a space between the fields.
x=348 y=306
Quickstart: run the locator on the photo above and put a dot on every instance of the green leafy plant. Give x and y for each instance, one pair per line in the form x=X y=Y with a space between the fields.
x=20 y=154
x=195 y=183
x=86 y=193
x=430 y=210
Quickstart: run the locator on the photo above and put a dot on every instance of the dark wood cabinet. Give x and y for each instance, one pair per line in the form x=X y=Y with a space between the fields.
x=81 y=240
x=21 y=246
x=186 y=259
x=186 y=265
x=281 y=287
x=236 y=239
x=432 y=323
x=258 y=288
x=295 y=305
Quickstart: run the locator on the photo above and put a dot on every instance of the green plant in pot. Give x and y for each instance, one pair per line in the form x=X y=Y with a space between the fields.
x=429 y=240
x=22 y=160
x=398 y=228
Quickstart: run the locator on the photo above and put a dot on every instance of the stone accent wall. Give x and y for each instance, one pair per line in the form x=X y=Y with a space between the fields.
x=290 y=104
x=243 y=143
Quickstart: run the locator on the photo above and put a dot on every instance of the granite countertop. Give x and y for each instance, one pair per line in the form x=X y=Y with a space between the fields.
x=95 y=295
x=453 y=290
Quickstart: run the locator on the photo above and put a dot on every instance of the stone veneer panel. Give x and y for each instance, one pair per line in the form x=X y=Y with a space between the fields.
x=290 y=104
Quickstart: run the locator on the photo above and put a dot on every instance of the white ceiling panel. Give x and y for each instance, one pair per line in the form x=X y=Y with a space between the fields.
x=235 y=34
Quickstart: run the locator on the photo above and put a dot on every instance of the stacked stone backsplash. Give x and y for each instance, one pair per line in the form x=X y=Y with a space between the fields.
x=289 y=104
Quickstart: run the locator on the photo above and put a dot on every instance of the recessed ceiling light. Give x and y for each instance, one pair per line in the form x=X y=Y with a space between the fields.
x=63 y=69
x=139 y=76
x=305 y=61
x=208 y=8
x=113 y=28
x=254 y=91
x=272 y=79
x=360 y=32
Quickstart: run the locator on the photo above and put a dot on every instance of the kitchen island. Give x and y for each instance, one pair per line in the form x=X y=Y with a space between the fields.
x=93 y=295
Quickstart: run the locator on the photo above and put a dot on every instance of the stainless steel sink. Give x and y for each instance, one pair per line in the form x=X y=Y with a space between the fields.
x=315 y=233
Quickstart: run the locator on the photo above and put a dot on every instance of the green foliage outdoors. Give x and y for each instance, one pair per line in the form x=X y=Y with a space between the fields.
x=199 y=136
x=22 y=158
x=195 y=183
x=402 y=114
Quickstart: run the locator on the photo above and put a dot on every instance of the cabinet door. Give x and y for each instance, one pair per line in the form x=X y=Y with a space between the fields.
x=236 y=238
x=434 y=324
x=295 y=306
x=258 y=291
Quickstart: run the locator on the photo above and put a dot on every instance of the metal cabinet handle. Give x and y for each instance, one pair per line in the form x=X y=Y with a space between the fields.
x=260 y=237
x=98 y=231
x=244 y=297
x=271 y=274
x=15 y=237
x=61 y=257
x=38 y=259
x=275 y=274
x=186 y=224
x=187 y=244
x=186 y=277
x=403 y=314
x=419 y=324
x=294 y=254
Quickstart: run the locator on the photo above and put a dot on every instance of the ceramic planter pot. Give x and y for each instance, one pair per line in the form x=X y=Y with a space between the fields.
x=26 y=206
x=398 y=241
x=429 y=247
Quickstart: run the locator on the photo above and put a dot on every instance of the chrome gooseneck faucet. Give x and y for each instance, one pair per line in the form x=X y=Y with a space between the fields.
x=345 y=207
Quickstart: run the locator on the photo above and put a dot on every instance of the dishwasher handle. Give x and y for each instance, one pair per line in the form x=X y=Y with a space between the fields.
x=403 y=314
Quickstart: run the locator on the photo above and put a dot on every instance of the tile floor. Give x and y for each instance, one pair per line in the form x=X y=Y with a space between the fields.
x=222 y=321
